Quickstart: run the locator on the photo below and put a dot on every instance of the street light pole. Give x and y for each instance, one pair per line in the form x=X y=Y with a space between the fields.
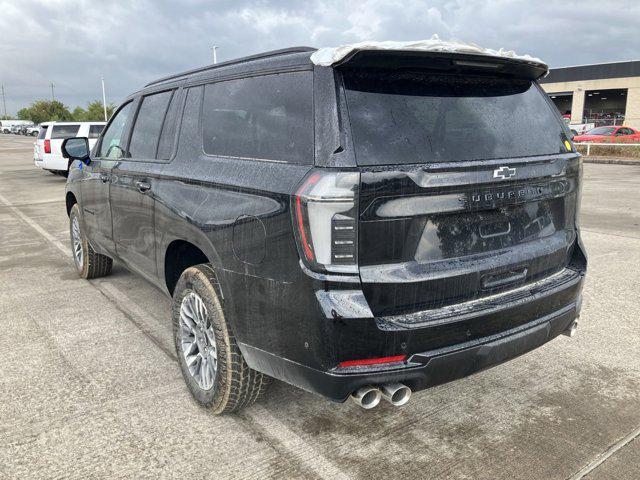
x=215 y=56
x=104 y=100
x=4 y=102
x=53 y=98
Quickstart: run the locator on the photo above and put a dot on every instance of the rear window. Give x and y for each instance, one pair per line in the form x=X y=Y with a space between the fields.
x=64 y=131
x=268 y=117
x=95 y=130
x=146 y=131
x=416 y=117
x=42 y=133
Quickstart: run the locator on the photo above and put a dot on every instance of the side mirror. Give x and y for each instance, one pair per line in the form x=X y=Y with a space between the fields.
x=76 y=148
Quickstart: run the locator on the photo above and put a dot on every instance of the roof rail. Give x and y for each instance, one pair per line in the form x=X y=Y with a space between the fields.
x=272 y=53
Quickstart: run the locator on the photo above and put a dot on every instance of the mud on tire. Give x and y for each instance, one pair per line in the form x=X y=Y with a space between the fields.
x=235 y=385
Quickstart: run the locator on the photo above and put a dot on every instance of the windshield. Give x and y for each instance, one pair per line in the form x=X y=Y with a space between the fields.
x=416 y=117
x=601 y=131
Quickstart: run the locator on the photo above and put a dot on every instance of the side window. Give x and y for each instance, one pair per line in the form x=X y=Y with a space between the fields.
x=168 y=133
x=190 y=124
x=64 y=131
x=268 y=117
x=146 y=130
x=112 y=143
x=95 y=130
x=43 y=133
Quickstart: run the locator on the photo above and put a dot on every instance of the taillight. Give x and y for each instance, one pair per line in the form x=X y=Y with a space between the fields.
x=47 y=146
x=325 y=220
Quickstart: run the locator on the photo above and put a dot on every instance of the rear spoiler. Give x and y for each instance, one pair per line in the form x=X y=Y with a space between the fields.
x=450 y=62
x=433 y=54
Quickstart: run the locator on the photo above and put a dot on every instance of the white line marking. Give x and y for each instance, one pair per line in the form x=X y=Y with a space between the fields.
x=53 y=240
x=291 y=441
x=600 y=459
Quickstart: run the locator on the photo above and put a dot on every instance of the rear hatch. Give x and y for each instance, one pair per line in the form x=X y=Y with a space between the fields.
x=468 y=186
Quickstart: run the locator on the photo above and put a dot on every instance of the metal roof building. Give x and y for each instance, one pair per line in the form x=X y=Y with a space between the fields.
x=605 y=93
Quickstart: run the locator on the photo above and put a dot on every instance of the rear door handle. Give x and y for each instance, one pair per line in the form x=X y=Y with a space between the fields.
x=104 y=178
x=143 y=186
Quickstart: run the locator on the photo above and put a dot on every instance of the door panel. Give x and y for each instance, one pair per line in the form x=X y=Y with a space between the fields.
x=134 y=179
x=95 y=185
x=133 y=215
x=96 y=210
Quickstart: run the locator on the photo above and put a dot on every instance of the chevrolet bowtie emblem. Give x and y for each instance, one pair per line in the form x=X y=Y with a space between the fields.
x=504 y=172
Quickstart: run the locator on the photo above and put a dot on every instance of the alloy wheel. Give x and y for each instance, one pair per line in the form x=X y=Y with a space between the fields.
x=198 y=341
x=78 y=253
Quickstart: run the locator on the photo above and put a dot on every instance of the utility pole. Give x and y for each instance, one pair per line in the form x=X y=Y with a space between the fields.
x=215 y=56
x=53 y=98
x=104 y=100
x=4 y=102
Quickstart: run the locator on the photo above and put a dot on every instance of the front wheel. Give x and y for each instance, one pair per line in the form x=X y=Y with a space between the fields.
x=89 y=264
x=211 y=362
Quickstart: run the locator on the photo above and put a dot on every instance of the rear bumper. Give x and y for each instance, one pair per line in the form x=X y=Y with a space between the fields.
x=423 y=369
x=438 y=349
x=53 y=162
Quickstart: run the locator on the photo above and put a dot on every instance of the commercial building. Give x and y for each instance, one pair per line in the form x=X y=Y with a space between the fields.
x=604 y=94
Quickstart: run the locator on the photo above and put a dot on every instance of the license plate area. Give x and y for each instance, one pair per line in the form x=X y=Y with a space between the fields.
x=459 y=234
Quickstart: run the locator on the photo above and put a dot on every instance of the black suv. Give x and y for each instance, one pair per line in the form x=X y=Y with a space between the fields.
x=371 y=228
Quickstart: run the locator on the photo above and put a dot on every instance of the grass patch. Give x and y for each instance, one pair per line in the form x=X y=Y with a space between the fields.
x=610 y=150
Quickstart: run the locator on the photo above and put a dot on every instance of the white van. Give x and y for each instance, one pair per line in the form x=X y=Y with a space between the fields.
x=46 y=149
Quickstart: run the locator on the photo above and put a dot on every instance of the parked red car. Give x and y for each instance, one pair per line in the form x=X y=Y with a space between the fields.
x=613 y=134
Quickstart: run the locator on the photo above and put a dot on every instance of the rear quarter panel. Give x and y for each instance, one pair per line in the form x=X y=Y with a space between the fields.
x=238 y=213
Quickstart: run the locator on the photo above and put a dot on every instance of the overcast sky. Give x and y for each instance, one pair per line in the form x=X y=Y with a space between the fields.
x=72 y=43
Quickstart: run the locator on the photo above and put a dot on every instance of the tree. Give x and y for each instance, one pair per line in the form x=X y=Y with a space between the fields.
x=78 y=114
x=44 y=111
x=95 y=110
x=93 y=113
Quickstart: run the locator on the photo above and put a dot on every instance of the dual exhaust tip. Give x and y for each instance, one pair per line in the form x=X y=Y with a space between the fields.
x=368 y=397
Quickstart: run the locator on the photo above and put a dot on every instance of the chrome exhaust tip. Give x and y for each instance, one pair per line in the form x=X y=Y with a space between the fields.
x=572 y=329
x=397 y=394
x=367 y=397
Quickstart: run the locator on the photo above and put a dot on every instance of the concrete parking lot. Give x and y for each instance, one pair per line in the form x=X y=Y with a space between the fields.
x=90 y=387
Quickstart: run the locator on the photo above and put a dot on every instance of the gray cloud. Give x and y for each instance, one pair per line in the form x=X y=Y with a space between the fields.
x=75 y=42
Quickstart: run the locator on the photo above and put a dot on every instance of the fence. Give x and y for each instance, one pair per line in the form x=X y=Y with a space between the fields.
x=611 y=145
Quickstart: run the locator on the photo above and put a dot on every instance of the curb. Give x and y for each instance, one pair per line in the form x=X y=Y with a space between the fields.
x=613 y=161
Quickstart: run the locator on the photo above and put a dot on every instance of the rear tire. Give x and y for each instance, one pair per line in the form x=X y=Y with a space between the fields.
x=211 y=362
x=89 y=264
